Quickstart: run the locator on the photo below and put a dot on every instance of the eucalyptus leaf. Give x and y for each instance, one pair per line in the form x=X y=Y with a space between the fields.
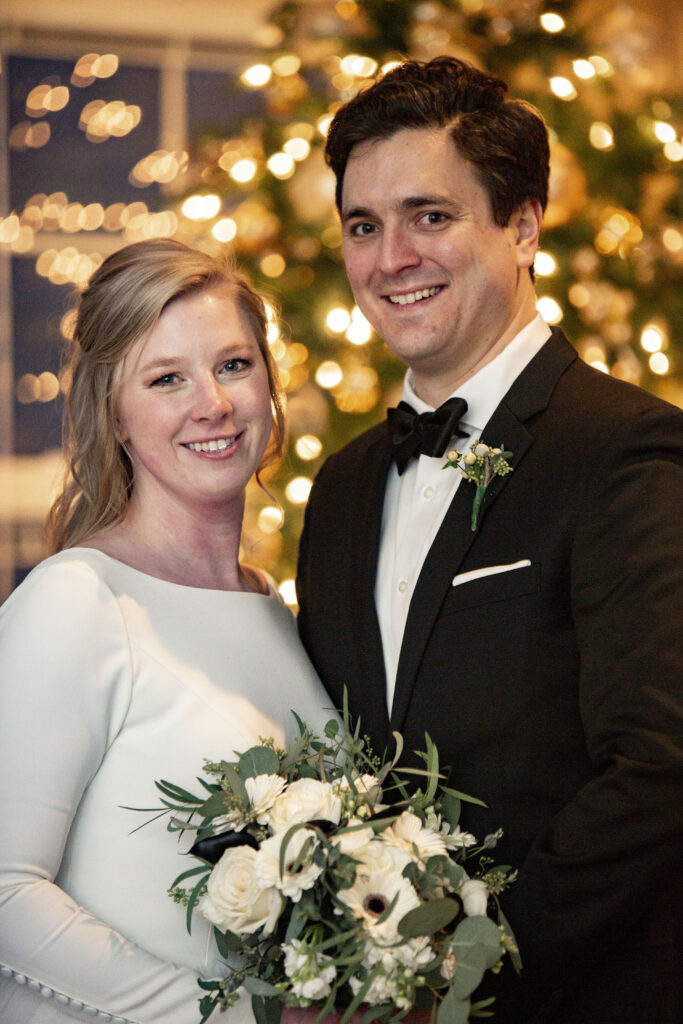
x=453 y=1010
x=227 y=942
x=266 y=1010
x=428 y=918
x=448 y=790
x=236 y=784
x=259 y=987
x=450 y=808
x=258 y=761
x=213 y=806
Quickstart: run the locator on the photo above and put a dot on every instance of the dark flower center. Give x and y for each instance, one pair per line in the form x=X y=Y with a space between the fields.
x=374 y=904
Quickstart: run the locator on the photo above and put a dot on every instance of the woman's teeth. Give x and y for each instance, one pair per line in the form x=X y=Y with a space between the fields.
x=211 y=446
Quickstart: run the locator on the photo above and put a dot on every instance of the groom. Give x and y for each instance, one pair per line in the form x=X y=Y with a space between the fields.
x=542 y=649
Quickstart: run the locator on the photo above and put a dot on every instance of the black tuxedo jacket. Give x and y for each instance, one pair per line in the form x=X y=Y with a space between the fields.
x=550 y=681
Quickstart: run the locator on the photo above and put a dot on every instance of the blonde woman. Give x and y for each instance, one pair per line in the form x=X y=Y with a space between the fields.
x=142 y=645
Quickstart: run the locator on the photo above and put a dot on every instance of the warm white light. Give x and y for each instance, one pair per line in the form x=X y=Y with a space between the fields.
x=297 y=148
x=563 y=88
x=224 y=230
x=664 y=131
x=298 y=490
x=672 y=239
x=673 y=151
x=652 y=338
x=257 y=75
x=288 y=592
x=324 y=123
x=389 y=66
x=659 y=363
x=308 y=447
x=552 y=22
x=270 y=519
x=360 y=330
x=602 y=66
x=329 y=374
x=201 y=207
x=598 y=364
x=281 y=165
x=544 y=264
x=243 y=170
x=584 y=69
x=286 y=65
x=601 y=136
x=550 y=310
x=360 y=67
x=337 y=320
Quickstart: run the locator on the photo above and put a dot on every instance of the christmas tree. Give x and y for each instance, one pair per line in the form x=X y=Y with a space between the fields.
x=607 y=80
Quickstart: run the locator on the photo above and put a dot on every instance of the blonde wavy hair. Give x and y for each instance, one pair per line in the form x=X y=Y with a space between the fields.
x=123 y=300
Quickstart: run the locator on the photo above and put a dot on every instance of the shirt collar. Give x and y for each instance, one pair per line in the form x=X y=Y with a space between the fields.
x=485 y=390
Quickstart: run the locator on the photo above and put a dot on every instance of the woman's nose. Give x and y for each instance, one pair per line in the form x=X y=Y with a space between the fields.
x=211 y=400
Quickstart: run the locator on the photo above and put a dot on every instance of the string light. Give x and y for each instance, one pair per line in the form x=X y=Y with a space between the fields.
x=550 y=310
x=298 y=490
x=552 y=23
x=287 y=590
x=328 y=374
x=563 y=88
x=256 y=76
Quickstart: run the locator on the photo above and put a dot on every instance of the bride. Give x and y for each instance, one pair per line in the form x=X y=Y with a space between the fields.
x=142 y=645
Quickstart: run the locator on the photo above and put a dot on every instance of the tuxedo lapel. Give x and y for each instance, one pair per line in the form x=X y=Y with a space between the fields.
x=528 y=396
x=370 y=677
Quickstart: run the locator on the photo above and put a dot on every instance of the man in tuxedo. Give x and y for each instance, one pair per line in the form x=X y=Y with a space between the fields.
x=541 y=650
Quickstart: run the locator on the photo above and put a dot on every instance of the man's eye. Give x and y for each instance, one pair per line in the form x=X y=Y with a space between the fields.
x=434 y=217
x=364 y=228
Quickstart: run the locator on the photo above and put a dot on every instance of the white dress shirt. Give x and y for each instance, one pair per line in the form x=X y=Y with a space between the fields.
x=416 y=502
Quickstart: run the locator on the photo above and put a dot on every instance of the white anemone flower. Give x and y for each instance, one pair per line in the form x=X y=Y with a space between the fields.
x=291 y=883
x=409 y=834
x=263 y=791
x=371 y=895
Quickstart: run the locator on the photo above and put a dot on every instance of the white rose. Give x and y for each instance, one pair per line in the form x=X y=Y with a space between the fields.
x=302 y=801
x=290 y=883
x=235 y=899
x=474 y=896
x=263 y=791
x=354 y=838
x=481 y=449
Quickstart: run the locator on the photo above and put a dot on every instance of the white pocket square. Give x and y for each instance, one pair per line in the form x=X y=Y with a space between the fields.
x=491 y=570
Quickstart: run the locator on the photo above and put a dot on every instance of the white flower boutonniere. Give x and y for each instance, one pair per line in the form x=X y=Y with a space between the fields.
x=479 y=465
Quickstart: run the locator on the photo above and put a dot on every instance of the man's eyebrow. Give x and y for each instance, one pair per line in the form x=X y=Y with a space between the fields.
x=417 y=202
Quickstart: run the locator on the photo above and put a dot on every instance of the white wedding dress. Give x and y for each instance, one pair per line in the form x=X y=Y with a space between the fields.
x=110 y=679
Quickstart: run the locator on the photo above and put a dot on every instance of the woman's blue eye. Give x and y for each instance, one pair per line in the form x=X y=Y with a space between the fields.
x=165 y=380
x=235 y=365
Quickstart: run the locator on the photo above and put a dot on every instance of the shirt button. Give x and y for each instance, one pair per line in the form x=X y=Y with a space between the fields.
x=402 y=587
x=428 y=492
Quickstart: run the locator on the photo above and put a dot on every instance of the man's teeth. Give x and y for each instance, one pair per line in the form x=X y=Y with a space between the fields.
x=211 y=446
x=410 y=297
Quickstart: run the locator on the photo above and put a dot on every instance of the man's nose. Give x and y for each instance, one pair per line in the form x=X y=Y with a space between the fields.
x=397 y=251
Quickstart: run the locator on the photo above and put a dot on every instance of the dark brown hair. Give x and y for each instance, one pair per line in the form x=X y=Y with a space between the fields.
x=123 y=300
x=505 y=140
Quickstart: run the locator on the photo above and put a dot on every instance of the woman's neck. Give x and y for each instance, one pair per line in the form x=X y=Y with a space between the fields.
x=192 y=549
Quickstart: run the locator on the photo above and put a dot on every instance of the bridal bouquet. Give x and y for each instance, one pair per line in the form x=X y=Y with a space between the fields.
x=331 y=881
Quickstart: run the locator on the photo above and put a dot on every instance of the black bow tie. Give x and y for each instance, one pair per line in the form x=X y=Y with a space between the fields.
x=426 y=433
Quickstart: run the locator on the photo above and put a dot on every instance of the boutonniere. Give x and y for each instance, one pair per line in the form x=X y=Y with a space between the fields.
x=479 y=465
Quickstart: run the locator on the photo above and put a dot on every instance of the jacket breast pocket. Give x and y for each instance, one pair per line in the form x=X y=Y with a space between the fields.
x=506 y=585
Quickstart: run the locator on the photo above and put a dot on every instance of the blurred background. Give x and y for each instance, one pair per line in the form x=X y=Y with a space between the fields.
x=204 y=120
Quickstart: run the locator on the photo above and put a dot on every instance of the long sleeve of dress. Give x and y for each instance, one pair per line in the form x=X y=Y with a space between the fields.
x=65 y=686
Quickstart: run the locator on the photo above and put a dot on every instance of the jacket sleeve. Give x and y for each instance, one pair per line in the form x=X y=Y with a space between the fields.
x=65 y=683
x=611 y=858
